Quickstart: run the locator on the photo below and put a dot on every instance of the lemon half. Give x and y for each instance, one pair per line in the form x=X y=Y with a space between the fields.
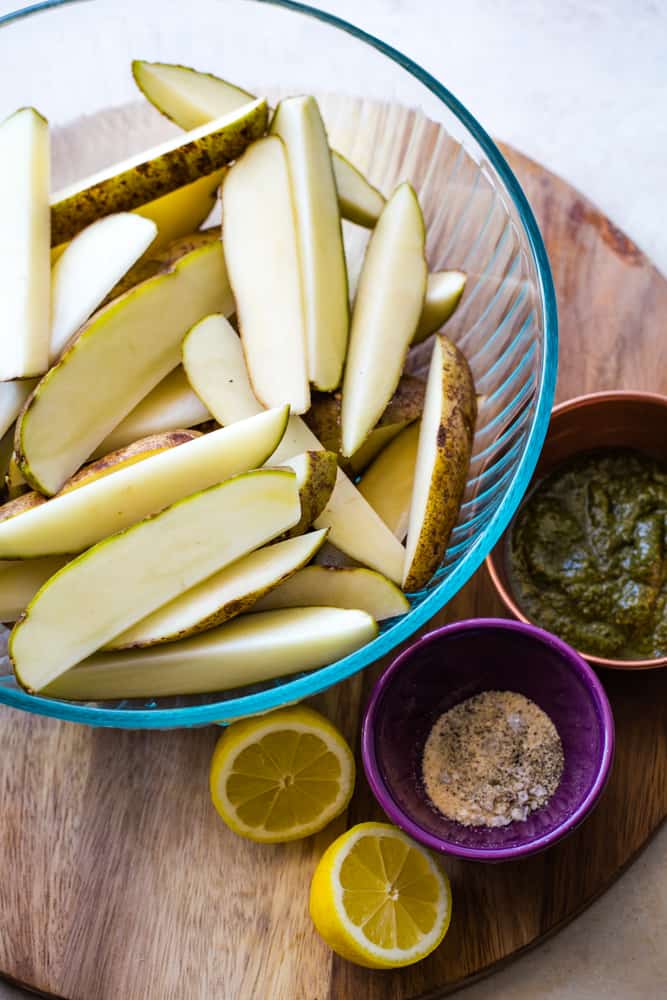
x=281 y=776
x=379 y=899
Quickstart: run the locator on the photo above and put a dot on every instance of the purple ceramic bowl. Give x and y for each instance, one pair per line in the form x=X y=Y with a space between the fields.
x=453 y=663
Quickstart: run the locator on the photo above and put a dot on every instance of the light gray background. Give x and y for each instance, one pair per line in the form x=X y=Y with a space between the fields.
x=582 y=87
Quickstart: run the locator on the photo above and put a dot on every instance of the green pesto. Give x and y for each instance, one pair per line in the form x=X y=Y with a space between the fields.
x=587 y=554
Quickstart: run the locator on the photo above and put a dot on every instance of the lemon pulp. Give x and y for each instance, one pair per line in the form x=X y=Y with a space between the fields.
x=281 y=776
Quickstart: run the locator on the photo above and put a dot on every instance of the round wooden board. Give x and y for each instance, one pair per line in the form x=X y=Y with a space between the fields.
x=117 y=877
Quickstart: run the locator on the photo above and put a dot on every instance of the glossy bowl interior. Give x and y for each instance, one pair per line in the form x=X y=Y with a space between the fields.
x=406 y=126
x=454 y=663
x=621 y=419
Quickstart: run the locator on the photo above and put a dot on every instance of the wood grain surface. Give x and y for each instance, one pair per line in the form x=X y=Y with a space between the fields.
x=118 y=880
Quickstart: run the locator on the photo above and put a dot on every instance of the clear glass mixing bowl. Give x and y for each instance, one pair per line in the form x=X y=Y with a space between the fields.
x=71 y=60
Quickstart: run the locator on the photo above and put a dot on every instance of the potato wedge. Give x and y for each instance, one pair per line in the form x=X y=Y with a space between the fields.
x=334 y=587
x=443 y=458
x=156 y=171
x=6 y=452
x=298 y=122
x=386 y=312
x=163 y=260
x=316 y=472
x=176 y=214
x=215 y=368
x=214 y=363
x=143 y=567
x=20 y=581
x=405 y=405
x=190 y=98
x=24 y=244
x=443 y=294
x=172 y=404
x=12 y=399
x=15 y=484
x=89 y=268
x=112 y=462
x=262 y=257
x=248 y=650
x=183 y=210
x=80 y=517
x=222 y=596
x=387 y=482
x=123 y=351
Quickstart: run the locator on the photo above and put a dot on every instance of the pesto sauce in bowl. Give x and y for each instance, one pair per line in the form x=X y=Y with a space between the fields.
x=587 y=554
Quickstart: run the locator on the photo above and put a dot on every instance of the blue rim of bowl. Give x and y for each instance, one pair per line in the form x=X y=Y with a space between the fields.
x=324 y=677
x=382 y=791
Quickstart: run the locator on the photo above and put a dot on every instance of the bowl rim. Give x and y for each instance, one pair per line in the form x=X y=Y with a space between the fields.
x=382 y=791
x=496 y=555
x=303 y=686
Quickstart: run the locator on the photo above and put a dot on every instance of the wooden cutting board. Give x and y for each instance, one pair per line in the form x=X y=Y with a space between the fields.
x=117 y=879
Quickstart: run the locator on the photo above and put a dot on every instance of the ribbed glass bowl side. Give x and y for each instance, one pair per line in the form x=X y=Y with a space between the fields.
x=477 y=219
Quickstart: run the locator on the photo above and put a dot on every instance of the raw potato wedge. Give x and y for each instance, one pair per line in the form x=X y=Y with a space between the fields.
x=248 y=650
x=123 y=352
x=405 y=405
x=156 y=172
x=24 y=245
x=338 y=588
x=386 y=313
x=160 y=261
x=262 y=258
x=213 y=347
x=316 y=477
x=142 y=568
x=12 y=397
x=387 y=483
x=132 y=453
x=182 y=211
x=215 y=367
x=443 y=458
x=359 y=201
x=20 y=581
x=80 y=517
x=190 y=98
x=112 y=462
x=222 y=596
x=443 y=294
x=89 y=268
x=172 y=404
x=15 y=484
x=320 y=239
x=6 y=452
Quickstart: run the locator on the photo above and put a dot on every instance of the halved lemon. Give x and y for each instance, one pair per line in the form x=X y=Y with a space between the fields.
x=281 y=776
x=379 y=899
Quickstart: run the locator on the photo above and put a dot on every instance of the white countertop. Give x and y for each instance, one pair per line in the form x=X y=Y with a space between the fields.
x=581 y=87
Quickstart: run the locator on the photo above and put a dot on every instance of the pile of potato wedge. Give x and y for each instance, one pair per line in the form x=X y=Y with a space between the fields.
x=216 y=470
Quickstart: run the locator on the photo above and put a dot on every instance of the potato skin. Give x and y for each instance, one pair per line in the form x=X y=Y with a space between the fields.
x=455 y=433
x=403 y=408
x=154 y=178
x=132 y=453
x=314 y=496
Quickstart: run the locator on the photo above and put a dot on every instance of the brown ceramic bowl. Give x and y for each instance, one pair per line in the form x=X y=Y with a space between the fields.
x=622 y=419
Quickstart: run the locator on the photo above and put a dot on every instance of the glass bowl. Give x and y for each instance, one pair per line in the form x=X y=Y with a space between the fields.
x=408 y=126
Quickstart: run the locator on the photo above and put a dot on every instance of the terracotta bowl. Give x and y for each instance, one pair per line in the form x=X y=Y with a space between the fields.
x=621 y=419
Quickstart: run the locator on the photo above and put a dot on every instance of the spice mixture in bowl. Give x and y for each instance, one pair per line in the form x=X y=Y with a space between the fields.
x=488 y=739
x=492 y=759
